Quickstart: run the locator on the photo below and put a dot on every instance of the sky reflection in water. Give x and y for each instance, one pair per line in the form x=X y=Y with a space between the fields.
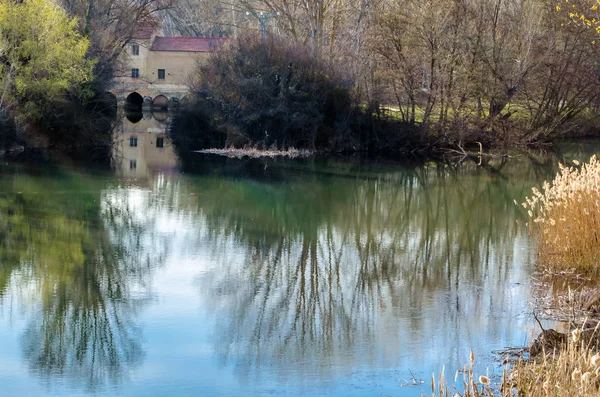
x=313 y=277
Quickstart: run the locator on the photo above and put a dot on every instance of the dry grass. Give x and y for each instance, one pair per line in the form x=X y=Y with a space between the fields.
x=469 y=387
x=573 y=370
x=258 y=153
x=567 y=215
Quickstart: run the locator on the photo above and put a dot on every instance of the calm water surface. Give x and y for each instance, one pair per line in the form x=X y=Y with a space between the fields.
x=320 y=277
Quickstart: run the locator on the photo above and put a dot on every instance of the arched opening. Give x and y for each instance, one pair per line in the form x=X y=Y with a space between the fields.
x=160 y=116
x=161 y=102
x=134 y=101
x=134 y=116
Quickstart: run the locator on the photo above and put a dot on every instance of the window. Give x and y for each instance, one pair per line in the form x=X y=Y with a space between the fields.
x=135 y=73
x=132 y=164
x=161 y=74
x=135 y=49
x=160 y=142
x=133 y=141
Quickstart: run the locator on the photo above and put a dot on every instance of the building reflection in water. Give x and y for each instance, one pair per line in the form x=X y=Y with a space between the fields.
x=141 y=146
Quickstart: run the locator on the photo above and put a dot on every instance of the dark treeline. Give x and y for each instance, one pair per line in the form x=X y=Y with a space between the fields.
x=275 y=93
x=404 y=74
x=330 y=75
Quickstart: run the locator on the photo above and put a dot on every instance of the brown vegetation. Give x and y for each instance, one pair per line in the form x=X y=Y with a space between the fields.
x=564 y=365
x=567 y=215
x=504 y=71
x=276 y=94
x=255 y=153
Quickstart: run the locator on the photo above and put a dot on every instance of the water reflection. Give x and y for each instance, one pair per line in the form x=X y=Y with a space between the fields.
x=141 y=146
x=79 y=267
x=318 y=277
x=338 y=273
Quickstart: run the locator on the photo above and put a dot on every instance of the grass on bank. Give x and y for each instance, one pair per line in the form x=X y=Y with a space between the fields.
x=572 y=370
x=566 y=213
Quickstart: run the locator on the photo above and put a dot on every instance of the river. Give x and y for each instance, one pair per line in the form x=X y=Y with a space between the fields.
x=328 y=276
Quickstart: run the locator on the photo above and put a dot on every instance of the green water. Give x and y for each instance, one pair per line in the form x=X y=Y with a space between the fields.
x=329 y=276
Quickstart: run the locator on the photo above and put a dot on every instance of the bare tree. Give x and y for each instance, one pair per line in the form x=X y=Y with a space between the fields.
x=461 y=69
x=111 y=24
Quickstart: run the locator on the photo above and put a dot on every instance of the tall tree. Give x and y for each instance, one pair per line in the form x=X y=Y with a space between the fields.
x=110 y=26
x=42 y=56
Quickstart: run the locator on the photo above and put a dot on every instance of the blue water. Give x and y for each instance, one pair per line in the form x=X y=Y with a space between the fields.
x=318 y=277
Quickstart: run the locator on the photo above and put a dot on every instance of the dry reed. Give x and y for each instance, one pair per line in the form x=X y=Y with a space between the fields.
x=567 y=215
x=573 y=370
x=469 y=387
x=258 y=153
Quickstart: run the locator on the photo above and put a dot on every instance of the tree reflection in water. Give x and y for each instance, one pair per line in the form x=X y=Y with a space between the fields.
x=308 y=268
x=359 y=268
x=79 y=272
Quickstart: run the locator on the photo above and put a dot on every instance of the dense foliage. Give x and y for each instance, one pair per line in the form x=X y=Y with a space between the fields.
x=57 y=60
x=501 y=72
x=277 y=93
x=42 y=56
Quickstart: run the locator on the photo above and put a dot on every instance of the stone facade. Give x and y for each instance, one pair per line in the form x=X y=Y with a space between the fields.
x=159 y=69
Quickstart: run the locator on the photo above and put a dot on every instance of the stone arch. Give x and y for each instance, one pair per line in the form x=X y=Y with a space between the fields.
x=160 y=101
x=134 y=117
x=134 y=101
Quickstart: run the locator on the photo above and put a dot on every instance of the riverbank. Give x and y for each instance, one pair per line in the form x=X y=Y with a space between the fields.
x=561 y=364
x=197 y=127
x=563 y=213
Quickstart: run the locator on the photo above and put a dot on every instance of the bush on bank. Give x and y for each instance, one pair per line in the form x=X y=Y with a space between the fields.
x=274 y=93
x=50 y=95
x=43 y=57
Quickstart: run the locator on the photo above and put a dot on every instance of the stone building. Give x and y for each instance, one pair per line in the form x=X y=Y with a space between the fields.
x=159 y=68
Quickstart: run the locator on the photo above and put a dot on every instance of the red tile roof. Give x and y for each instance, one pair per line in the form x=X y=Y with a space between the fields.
x=186 y=44
x=143 y=33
